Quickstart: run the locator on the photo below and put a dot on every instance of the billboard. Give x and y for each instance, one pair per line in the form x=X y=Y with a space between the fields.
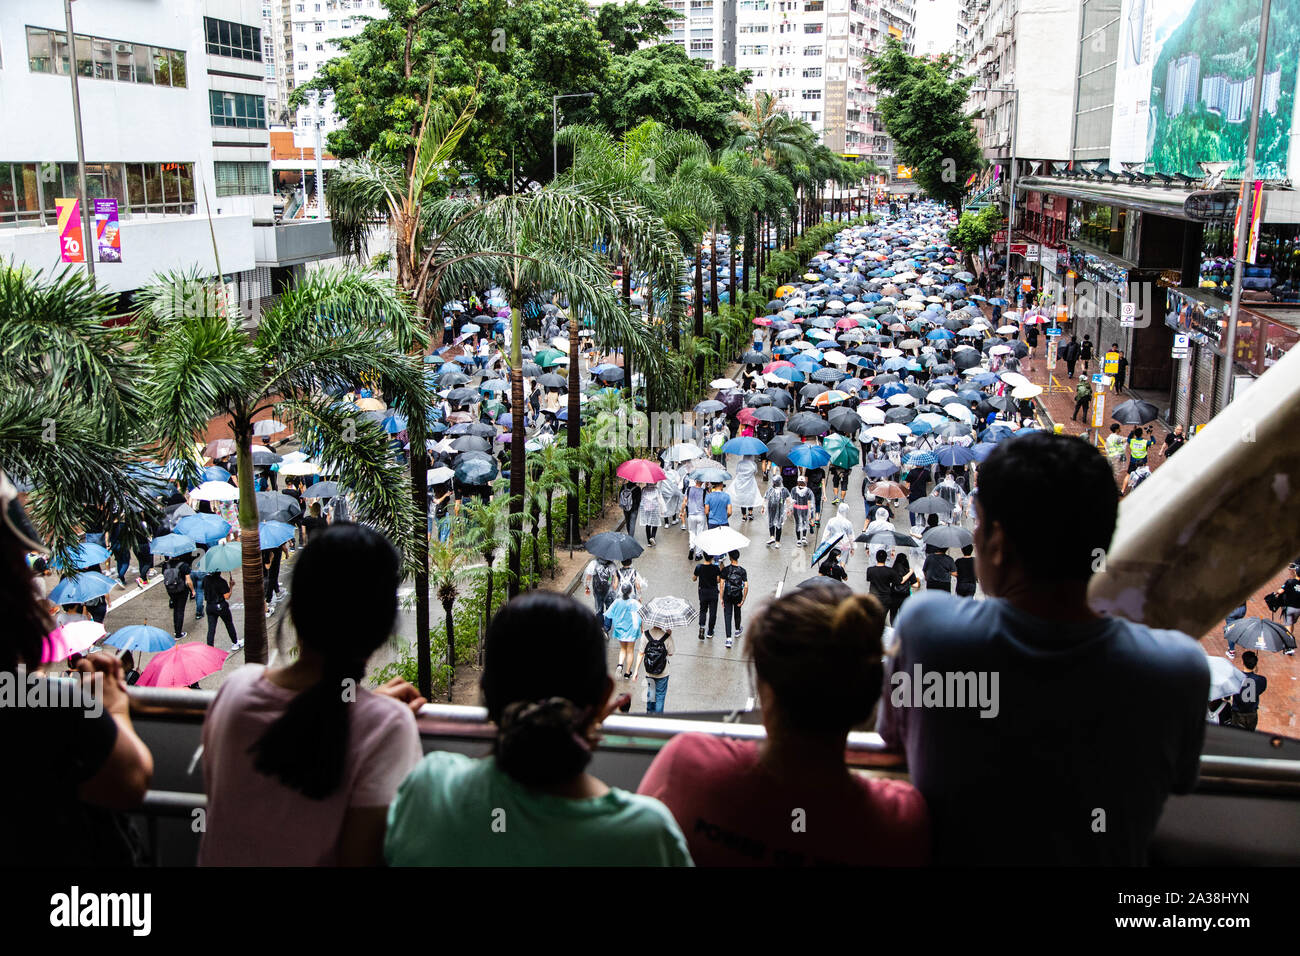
x=1184 y=85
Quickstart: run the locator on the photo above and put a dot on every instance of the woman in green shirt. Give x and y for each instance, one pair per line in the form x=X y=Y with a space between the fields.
x=531 y=802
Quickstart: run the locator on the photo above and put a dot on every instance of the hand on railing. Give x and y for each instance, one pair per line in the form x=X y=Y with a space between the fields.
x=402 y=690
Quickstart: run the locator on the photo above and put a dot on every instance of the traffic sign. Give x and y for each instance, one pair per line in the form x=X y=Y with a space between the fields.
x=1127 y=314
x=1052 y=332
x=1098 y=379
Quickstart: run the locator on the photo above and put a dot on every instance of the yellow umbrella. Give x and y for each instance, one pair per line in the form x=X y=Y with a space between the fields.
x=370 y=405
x=784 y=290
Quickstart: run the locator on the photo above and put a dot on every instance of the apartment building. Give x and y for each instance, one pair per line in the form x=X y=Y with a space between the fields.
x=309 y=38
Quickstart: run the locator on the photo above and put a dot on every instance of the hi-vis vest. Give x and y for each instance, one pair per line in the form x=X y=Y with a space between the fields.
x=1137 y=447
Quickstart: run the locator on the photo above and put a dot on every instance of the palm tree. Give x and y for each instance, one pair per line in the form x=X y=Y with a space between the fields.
x=328 y=331
x=481 y=532
x=448 y=563
x=71 y=413
x=554 y=465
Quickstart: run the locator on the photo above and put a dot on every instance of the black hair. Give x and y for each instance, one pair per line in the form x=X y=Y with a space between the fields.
x=1040 y=467
x=1250 y=659
x=882 y=556
x=968 y=549
x=306 y=748
x=734 y=555
x=543 y=677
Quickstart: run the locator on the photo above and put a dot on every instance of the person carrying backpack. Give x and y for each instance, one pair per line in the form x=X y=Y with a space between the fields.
x=1082 y=397
x=600 y=575
x=216 y=590
x=735 y=588
x=629 y=500
x=655 y=654
x=176 y=581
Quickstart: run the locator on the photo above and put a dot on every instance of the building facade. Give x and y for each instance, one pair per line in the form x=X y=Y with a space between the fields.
x=311 y=31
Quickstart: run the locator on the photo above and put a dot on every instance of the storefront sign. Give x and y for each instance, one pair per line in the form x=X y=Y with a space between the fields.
x=108 y=236
x=1182 y=344
x=1031 y=252
x=69 y=220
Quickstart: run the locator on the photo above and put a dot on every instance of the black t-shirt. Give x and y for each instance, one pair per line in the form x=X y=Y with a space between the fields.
x=965 y=570
x=881 y=578
x=938 y=569
x=833 y=569
x=815 y=477
x=734 y=577
x=312 y=524
x=215 y=589
x=708 y=575
x=1250 y=706
x=765 y=432
x=51 y=751
x=918 y=482
x=1291 y=592
x=1173 y=443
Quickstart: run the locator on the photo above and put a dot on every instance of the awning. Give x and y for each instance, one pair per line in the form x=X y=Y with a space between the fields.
x=1280 y=205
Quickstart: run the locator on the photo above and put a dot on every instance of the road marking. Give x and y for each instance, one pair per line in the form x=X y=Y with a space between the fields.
x=133 y=593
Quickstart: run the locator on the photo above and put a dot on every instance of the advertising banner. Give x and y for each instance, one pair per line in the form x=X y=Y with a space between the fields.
x=108 y=237
x=1184 y=85
x=69 y=220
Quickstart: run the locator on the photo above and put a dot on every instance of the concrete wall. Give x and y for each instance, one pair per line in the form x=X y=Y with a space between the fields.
x=1045 y=72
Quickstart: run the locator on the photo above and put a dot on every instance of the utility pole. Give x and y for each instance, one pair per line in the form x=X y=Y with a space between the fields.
x=86 y=236
x=1245 y=213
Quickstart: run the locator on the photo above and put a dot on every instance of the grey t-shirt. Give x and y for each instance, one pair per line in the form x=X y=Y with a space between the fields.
x=1092 y=726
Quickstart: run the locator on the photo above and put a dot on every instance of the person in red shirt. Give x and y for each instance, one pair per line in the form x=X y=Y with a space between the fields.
x=790 y=800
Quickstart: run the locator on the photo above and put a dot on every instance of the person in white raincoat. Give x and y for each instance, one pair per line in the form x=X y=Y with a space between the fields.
x=744 y=489
x=670 y=492
x=651 y=514
x=837 y=526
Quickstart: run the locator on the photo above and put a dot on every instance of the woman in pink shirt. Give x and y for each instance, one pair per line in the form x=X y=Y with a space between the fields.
x=791 y=801
x=301 y=762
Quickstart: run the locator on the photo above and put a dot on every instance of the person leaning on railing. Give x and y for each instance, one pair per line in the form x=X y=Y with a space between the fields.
x=995 y=701
x=532 y=802
x=790 y=800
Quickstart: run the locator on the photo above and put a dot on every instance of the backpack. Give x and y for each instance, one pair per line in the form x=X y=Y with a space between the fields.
x=625 y=499
x=656 y=655
x=734 y=589
x=602 y=578
x=172 y=580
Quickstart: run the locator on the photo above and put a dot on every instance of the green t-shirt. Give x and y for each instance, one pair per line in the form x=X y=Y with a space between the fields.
x=453 y=810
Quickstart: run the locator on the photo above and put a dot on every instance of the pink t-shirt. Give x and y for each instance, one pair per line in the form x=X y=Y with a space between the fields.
x=255 y=820
x=734 y=813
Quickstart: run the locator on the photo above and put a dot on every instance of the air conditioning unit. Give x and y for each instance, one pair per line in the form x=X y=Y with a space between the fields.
x=123 y=48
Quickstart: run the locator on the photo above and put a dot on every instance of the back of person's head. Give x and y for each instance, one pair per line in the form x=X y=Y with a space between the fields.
x=901 y=563
x=1114 y=427
x=627 y=562
x=25 y=620
x=544 y=680
x=818 y=649
x=881 y=556
x=306 y=748
x=1250 y=659
x=1039 y=467
x=932 y=520
x=734 y=556
x=315 y=509
x=626 y=592
x=967 y=550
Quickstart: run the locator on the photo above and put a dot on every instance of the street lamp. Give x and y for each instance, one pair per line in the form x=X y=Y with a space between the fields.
x=555 y=127
x=1011 y=209
x=318 y=102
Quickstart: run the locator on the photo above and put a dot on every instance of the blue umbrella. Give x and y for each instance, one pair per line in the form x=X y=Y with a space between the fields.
x=881 y=469
x=394 y=423
x=950 y=455
x=920 y=427
x=203 y=528
x=468 y=328
x=936 y=335
x=710 y=475
x=86 y=555
x=745 y=445
x=998 y=300
x=141 y=637
x=170 y=545
x=272 y=534
x=215 y=473
x=982 y=450
x=84 y=587
x=995 y=433
x=806 y=455
x=789 y=374
x=476 y=471
x=920 y=458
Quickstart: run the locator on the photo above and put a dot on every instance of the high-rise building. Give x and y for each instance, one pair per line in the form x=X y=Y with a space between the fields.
x=312 y=31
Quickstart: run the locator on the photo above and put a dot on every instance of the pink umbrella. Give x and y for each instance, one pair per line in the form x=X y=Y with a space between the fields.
x=80 y=635
x=846 y=323
x=183 y=665
x=762 y=320
x=54 y=647
x=773 y=366
x=641 y=471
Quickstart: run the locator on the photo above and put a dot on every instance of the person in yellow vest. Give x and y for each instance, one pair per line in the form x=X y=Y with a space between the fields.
x=1138 y=446
x=1115 y=447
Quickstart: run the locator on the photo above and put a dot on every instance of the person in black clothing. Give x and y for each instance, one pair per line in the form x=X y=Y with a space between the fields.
x=939 y=569
x=1070 y=354
x=1121 y=369
x=1085 y=353
x=918 y=483
x=904 y=579
x=271 y=576
x=1245 y=703
x=294 y=490
x=314 y=522
x=176 y=581
x=966 y=579
x=735 y=589
x=629 y=500
x=881 y=580
x=816 y=476
x=216 y=591
x=707 y=574
x=831 y=568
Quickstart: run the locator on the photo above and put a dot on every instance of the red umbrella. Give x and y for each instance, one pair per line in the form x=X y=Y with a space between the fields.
x=773 y=366
x=847 y=323
x=762 y=320
x=183 y=665
x=641 y=471
x=746 y=416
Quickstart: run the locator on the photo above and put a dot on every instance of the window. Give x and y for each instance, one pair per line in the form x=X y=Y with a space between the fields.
x=233 y=39
x=241 y=110
x=28 y=190
x=242 y=179
x=320 y=27
x=814 y=6
x=301 y=67
x=98 y=58
x=19 y=193
x=812 y=72
x=812 y=51
x=814 y=27
x=812 y=94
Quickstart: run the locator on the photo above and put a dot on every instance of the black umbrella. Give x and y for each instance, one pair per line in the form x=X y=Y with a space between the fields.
x=471 y=443
x=465 y=456
x=931 y=505
x=476 y=471
x=965 y=358
x=781 y=398
x=888 y=378
x=452 y=379
x=767 y=413
x=532 y=370
x=273 y=506
x=755 y=399
x=322 y=489
x=611 y=375
x=806 y=423
x=846 y=421
x=1260 y=634
x=827 y=375
x=1135 y=412
x=551 y=380
x=463 y=396
x=776 y=305
x=900 y=415
x=947 y=537
x=892 y=538
x=754 y=358
x=778 y=449
x=482 y=430
x=811 y=391
x=614 y=546
x=709 y=407
x=731 y=400
x=264 y=456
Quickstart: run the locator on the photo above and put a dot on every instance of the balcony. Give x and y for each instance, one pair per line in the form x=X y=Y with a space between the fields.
x=293 y=243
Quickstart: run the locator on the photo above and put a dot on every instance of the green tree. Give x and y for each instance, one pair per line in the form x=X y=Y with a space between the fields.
x=975 y=231
x=628 y=26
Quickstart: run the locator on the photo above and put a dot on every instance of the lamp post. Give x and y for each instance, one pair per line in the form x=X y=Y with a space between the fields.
x=555 y=127
x=1011 y=208
x=318 y=103
x=88 y=247
x=1243 y=220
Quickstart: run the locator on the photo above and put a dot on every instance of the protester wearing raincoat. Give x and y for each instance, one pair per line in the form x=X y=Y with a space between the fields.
x=744 y=490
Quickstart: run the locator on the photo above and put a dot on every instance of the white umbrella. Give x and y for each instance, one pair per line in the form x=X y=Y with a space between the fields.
x=268 y=426
x=1007 y=330
x=901 y=399
x=871 y=415
x=721 y=540
x=304 y=468
x=801 y=344
x=835 y=358
x=1000 y=350
x=1029 y=390
x=215 y=491
x=723 y=383
x=438 y=476
x=959 y=411
x=939 y=395
x=890 y=353
x=685 y=452
x=1225 y=679
x=1014 y=379
x=293 y=456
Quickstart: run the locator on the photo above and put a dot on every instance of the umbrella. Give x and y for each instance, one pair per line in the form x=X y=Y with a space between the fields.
x=215 y=491
x=203 y=528
x=223 y=557
x=322 y=489
x=171 y=545
x=1260 y=634
x=614 y=546
x=264 y=456
x=142 y=637
x=272 y=534
x=215 y=473
x=84 y=587
x=476 y=471
x=439 y=476
x=464 y=396
x=886 y=489
x=274 y=506
x=824 y=549
x=842 y=451
x=721 y=540
x=182 y=665
x=471 y=443
x=950 y=455
x=86 y=555
x=551 y=380
x=709 y=407
x=808 y=456
x=80 y=635
x=1135 y=412
x=668 y=612
x=1225 y=679
x=641 y=471
x=221 y=447
x=931 y=505
x=301 y=468
x=268 y=426
x=744 y=446
x=881 y=468
x=807 y=424
x=892 y=538
x=685 y=451
x=723 y=383
x=710 y=476
x=845 y=421
x=947 y=537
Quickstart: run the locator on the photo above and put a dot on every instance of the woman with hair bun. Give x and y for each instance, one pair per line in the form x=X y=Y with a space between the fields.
x=532 y=802
x=790 y=800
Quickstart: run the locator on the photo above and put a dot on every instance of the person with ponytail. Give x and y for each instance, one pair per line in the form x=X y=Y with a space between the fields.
x=532 y=801
x=301 y=762
x=790 y=800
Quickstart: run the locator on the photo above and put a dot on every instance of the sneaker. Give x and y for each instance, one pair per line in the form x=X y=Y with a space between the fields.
x=236 y=646
x=728 y=642
x=701 y=634
x=182 y=637
x=709 y=635
x=139 y=582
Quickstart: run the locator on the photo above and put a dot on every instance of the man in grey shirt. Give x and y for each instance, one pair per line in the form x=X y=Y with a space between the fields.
x=1038 y=731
